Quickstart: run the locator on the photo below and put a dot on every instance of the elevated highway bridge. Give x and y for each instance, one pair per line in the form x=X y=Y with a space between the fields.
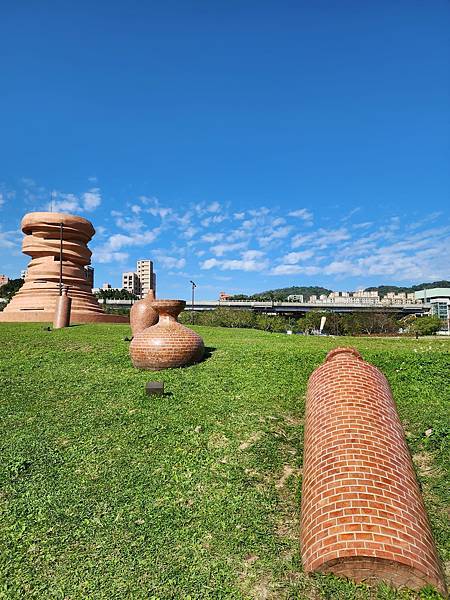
x=297 y=308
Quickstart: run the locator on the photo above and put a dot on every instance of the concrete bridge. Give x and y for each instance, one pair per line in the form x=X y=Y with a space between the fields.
x=296 y=308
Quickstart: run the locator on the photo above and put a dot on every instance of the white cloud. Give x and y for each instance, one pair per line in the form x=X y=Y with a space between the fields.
x=170 y=262
x=215 y=219
x=294 y=270
x=189 y=232
x=364 y=225
x=294 y=257
x=110 y=251
x=64 y=203
x=213 y=207
x=130 y=224
x=2 y=199
x=239 y=216
x=243 y=265
x=270 y=235
x=9 y=239
x=92 y=199
x=251 y=260
x=211 y=238
x=322 y=238
x=210 y=263
x=252 y=254
x=221 y=249
x=302 y=213
x=103 y=256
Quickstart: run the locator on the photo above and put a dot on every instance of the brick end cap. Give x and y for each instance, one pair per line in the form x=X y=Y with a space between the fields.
x=343 y=350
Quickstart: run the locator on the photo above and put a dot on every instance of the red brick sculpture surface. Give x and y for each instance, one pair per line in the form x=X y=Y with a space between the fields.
x=362 y=512
x=167 y=344
x=142 y=314
x=36 y=300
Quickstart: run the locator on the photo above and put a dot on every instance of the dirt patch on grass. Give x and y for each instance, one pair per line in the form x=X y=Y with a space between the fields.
x=250 y=441
x=425 y=465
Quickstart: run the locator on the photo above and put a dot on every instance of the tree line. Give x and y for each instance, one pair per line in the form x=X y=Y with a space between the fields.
x=336 y=324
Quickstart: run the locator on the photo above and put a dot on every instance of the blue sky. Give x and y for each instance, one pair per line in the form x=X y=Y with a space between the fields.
x=245 y=145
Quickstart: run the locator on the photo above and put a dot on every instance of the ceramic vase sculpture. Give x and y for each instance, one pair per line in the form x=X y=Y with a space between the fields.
x=167 y=344
x=142 y=315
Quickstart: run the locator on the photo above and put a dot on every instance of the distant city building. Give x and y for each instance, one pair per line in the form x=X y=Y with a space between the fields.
x=130 y=282
x=89 y=271
x=224 y=296
x=106 y=286
x=439 y=301
x=364 y=297
x=144 y=271
x=3 y=280
x=23 y=273
x=141 y=281
x=295 y=298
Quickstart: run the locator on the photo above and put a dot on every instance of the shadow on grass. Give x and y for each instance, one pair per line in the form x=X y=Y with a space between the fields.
x=209 y=351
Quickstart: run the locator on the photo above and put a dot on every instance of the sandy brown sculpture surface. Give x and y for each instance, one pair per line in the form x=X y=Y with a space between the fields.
x=63 y=309
x=36 y=300
x=362 y=511
x=167 y=344
x=142 y=315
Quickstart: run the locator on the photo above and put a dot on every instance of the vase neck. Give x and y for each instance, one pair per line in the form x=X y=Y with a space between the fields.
x=166 y=318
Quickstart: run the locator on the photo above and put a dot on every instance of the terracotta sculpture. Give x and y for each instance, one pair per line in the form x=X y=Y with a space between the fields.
x=363 y=515
x=167 y=344
x=63 y=308
x=36 y=300
x=142 y=315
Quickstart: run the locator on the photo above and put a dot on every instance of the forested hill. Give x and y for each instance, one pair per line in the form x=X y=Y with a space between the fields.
x=307 y=291
x=283 y=293
x=384 y=289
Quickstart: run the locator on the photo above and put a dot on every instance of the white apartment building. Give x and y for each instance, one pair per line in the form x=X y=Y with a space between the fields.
x=130 y=282
x=295 y=298
x=144 y=271
x=141 y=281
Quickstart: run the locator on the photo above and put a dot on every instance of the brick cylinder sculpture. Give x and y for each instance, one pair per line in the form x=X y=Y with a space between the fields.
x=362 y=511
x=36 y=299
x=168 y=344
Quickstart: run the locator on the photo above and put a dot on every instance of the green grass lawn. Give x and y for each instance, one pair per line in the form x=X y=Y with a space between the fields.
x=107 y=493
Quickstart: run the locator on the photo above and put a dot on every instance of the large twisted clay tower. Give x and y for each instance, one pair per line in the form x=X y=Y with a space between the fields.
x=36 y=300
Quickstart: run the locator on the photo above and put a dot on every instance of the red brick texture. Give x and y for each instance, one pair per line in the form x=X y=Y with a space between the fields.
x=362 y=511
x=168 y=344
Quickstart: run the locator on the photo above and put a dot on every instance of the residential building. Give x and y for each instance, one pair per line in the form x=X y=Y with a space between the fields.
x=141 y=281
x=23 y=273
x=224 y=296
x=295 y=298
x=144 y=271
x=130 y=282
x=3 y=280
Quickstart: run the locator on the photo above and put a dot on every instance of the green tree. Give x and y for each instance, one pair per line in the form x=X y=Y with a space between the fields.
x=426 y=325
x=8 y=290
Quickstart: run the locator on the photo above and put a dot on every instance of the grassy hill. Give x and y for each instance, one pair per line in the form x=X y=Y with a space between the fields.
x=109 y=494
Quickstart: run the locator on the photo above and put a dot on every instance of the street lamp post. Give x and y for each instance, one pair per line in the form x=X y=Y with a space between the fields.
x=193 y=299
x=61 y=235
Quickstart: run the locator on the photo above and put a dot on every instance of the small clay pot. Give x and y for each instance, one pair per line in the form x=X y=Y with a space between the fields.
x=142 y=315
x=167 y=344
